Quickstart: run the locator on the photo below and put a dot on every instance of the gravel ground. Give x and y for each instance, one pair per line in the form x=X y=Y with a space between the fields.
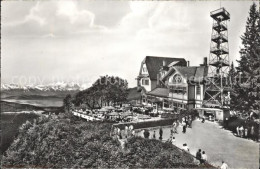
x=219 y=144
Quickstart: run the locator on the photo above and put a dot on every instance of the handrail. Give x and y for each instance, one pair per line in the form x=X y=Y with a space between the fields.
x=220 y=24
x=220 y=10
x=220 y=48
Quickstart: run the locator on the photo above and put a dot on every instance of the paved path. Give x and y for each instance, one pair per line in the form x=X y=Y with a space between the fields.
x=219 y=144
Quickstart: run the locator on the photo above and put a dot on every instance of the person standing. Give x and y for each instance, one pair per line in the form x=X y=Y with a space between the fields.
x=183 y=120
x=190 y=122
x=186 y=121
x=224 y=165
x=203 y=119
x=184 y=127
x=174 y=127
x=241 y=131
x=177 y=125
x=238 y=131
x=154 y=137
x=198 y=155
x=204 y=157
x=226 y=123
x=246 y=132
x=252 y=132
x=173 y=141
x=160 y=133
x=146 y=134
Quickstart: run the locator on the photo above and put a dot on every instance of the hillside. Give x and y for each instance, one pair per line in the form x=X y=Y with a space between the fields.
x=10 y=123
x=57 y=143
x=17 y=107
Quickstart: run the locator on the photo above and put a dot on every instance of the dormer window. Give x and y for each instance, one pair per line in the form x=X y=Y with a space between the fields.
x=176 y=79
x=145 y=81
x=144 y=69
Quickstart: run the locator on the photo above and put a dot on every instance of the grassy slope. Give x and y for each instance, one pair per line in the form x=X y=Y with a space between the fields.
x=79 y=144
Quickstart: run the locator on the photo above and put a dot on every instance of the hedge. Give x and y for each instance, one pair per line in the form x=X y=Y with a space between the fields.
x=59 y=143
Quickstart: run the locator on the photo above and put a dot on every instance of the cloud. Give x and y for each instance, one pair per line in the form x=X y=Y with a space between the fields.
x=70 y=10
x=59 y=18
x=86 y=39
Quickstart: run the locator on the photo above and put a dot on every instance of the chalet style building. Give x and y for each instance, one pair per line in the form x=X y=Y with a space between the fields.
x=170 y=84
x=150 y=67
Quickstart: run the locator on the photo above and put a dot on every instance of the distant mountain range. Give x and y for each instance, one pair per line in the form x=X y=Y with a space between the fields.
x=59 y=86
x=60 y=89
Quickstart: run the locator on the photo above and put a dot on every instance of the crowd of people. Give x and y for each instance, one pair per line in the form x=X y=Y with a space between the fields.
x=201 y=156
x=128 y=131
x=247 y=131
x=186 y=122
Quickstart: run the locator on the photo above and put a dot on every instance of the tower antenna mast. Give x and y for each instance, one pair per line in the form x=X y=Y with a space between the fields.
x=218 y=84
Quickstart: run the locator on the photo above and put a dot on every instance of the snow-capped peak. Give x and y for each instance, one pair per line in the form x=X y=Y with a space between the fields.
x=58 y=86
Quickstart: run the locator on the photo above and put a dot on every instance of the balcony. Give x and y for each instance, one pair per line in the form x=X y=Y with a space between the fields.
x=178 y=96
x=220 y=27
x=142 y=76
x=222 y=38
x=212 y=103
x=219 y=51
x=220 y=14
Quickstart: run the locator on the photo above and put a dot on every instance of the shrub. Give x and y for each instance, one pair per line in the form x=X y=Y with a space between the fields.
x=10 y=126
x=58 y=143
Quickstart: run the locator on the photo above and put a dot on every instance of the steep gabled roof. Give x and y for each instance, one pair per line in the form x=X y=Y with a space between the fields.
x=154 y=63
x=201 y=73
x=187 y=72
x=194 y=73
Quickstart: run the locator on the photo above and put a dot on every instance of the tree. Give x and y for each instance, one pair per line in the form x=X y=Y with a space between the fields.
x=249 y=40
x=246 y=94
x=232 y=74
x=67 y=103
x=106 y=90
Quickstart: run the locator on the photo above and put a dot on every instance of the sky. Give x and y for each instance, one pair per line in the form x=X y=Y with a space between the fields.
x=44 y=42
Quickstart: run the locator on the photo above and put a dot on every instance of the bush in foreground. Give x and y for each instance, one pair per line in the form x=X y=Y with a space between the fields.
x=56 y=143
x=10 y=123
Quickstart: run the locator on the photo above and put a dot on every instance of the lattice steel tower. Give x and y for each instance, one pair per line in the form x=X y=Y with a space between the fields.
x=218 y=83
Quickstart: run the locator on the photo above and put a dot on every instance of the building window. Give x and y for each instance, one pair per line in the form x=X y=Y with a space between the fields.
x=145 y=81
x=176 y=79
x=198 y=88
x=144 y=69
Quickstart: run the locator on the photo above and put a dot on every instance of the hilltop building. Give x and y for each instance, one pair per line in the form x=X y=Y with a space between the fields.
x=169 y=84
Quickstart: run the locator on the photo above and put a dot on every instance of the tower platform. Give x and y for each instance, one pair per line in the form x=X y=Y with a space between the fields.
x=220 y=14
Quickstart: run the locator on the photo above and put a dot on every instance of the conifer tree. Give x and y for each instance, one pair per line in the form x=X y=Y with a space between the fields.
x=246 y=94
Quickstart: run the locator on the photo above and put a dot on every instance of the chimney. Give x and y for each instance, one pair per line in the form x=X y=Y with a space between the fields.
x=188 y=63
x=164 y=67
x=164 y=63
x=205 y=63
